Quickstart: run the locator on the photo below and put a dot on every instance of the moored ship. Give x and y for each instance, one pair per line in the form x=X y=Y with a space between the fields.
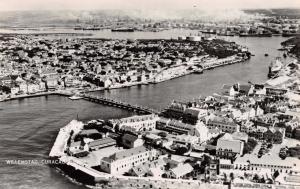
x=75 y=97
x=122 y=30
x=255 y=34
x=275 y=67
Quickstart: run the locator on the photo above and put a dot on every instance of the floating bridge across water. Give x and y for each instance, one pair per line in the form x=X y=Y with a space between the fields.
x=119 y=104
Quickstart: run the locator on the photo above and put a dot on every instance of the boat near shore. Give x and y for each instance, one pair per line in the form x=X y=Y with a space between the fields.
x=122 y=30
x=255 y=34
x=75 y=97
x=275 y=67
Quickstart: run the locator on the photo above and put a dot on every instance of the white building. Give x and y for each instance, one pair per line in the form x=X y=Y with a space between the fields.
x=290 y=165
x=33 y=88
x=123 y=161
x=136 y=123
x=224 y=124
x=180 y=171
x=132 y=141
x=175 y=126
x=228 y=148
x=23 y=87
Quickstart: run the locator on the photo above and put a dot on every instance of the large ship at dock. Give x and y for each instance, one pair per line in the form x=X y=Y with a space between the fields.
x=256 y=33
x=94 y=27
x=275 y=67
x=122 y=30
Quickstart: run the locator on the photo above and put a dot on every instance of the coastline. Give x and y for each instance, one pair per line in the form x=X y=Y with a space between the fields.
x=37 y=95
x=95 y=179
x=62 y=65
x=68 y=92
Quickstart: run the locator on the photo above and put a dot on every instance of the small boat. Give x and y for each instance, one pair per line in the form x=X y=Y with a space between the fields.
x=198 y=71
x=266 y=54
x=284 y=55
x=282 y=49
x=75 y=97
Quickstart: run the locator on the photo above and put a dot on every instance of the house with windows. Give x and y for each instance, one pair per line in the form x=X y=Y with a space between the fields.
x=123 y=161
x=132 y=140
x=228 y=90
x=228 y=147
x=181 y=171
x=101 y=143
x=251 y=162
x=193 y=114
x=246 y=89
x=153 y=169
x=136 y=123
x=270 y=134
x=224 y=124
x=175 y=110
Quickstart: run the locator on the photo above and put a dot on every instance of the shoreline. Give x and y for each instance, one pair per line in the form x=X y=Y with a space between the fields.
x=127 y=85
x=71 y=31
x=96 y=179
x=36 y=95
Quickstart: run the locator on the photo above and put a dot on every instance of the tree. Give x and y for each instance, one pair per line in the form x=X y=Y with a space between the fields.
x=231 y=176
x=5 y=89
x=181 y=150
x=294 y=133
x=225 y=177
x=269 y=181
x=256 y=178
x=276 y=174
x=168 y=166
x=206 y=160
x=249 y=146
x=162 y=134
x=23 y=75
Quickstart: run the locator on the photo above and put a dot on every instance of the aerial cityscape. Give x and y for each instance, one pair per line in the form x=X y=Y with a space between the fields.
x=138 y=95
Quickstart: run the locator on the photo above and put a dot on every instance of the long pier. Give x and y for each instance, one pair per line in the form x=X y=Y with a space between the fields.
x=119 y=104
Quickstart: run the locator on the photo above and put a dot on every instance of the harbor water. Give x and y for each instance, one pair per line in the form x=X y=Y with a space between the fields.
x=28 y=127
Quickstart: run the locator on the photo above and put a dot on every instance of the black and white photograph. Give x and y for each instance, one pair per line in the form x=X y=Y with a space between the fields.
x=150 y=94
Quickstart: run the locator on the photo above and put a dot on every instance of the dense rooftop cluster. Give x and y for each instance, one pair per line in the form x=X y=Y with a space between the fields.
x=245 y=134
x=41 y=64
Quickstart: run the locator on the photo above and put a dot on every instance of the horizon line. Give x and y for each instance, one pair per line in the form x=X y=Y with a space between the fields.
x=142 y=9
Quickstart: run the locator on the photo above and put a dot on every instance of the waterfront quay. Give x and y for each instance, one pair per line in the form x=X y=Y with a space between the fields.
x=245 y=136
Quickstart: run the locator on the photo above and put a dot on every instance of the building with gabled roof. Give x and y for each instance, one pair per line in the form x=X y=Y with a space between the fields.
x=228 y=90
x=246 y=89
x=224 y=124
x=228 y=147
x=132 y=140
x=123 y=161
x=268 y=162
x=180 y=171
x=193 y=114
x=101 y=143
x=153 y=168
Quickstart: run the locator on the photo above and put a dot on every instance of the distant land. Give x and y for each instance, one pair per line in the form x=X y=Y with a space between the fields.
x=289 y=13
x=70 y=18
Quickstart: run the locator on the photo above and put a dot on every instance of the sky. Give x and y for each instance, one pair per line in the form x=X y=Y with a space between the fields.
x=9 y=5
